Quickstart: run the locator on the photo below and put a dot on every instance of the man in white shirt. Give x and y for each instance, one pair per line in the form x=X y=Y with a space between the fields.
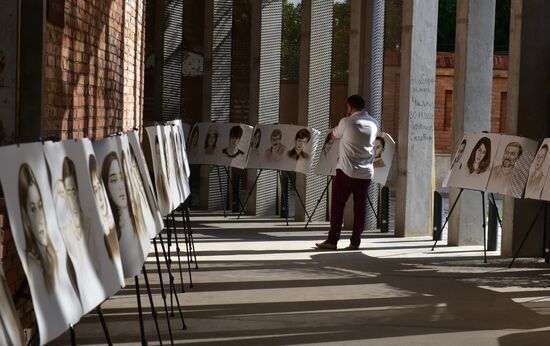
x=357 y=133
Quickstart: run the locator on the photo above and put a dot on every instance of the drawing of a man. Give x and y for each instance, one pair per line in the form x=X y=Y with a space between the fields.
x=501 y=175
x=277 y=149
x=302 y=138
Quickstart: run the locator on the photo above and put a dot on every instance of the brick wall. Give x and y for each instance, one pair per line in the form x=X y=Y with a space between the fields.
x=93 y=87
x=93 y=72
x=443 y=97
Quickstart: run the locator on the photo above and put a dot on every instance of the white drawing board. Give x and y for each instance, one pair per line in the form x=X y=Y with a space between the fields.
x=133 y=240
x=456 y=163
x=222 y=144
x=33 y=223
x=538 y=173
x=181 y=164
x=510 y=169
x=158 y=162
x=170 y=158
x=474 y=167
x=106 y=241
x=142 y=173
x=181 y=131
x=328 y=156
x=283 y=147
x=384 y=151
x=69 y=181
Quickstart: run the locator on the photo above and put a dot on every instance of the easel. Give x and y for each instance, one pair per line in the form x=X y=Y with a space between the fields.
x=250 y=193
x=103 y=326
x=319 y=200
x=280 y=175
x=484 y=226
x=188 y=233
x=546 y=239
x=170 y=223
x=153 y=309
x=221 y=188
x=189 y=241
x=323 y=194
x=162 y=292
x=171 y=279
x=21 y=294
x=140 y=312
x=498 y=216
x=546 y=247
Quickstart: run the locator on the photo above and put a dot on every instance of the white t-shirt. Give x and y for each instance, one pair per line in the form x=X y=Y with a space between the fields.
x=357 y=134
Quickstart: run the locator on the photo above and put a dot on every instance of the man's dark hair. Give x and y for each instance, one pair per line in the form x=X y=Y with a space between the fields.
x=356 y=101
x=236 y=132
x=516 y=145
x=303 y=134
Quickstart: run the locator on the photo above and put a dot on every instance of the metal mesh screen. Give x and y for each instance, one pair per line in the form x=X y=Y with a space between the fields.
x=269 y=91
x=376 y=90
x=172 y=59
x=221 y=89
x=221 y=60
x=319 y=92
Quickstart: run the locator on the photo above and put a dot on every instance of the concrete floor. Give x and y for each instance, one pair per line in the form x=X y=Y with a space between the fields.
x=261 y=282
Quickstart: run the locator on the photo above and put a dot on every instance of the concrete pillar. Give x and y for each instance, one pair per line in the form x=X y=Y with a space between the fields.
x=528 y=112
x=473 y=81
x=366 y=59
x=216 y=88
x=8 y=70
x=415 y=144
x=265 y=79
x=314 y=92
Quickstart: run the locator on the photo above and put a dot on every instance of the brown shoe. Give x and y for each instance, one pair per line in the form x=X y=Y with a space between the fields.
x=326 y=246
x=351 y=247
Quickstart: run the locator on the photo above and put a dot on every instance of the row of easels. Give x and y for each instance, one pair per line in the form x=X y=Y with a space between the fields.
x=172 y=236
x=280 y=177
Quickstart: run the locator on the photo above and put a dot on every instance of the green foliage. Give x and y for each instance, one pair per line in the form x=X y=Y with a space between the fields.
x=447 y=22
x=290 y=40
x=392 y=27
x=290 y=50
x=502 y=26
x=340 y=40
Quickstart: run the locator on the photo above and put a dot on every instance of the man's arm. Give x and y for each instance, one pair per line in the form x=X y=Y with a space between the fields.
x=338 y=131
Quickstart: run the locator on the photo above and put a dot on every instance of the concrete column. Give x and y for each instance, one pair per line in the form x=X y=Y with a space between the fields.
x=265 y=80
x=314 y=92
x=473 y=81
x=8 y=70
x=415 y=145
x=528 y=112
x=366 y=58
x=216 y=88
